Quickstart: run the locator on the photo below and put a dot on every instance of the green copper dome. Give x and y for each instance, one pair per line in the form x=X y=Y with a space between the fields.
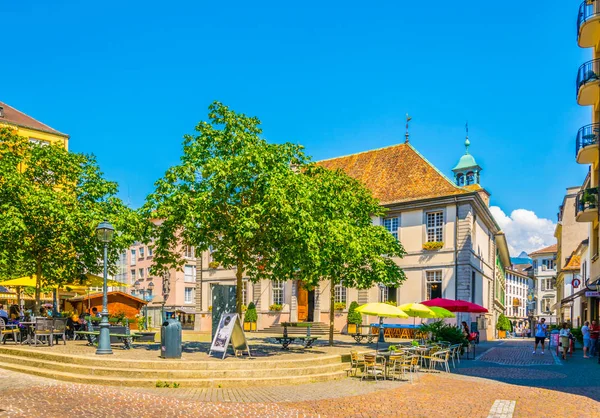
x=467 y=160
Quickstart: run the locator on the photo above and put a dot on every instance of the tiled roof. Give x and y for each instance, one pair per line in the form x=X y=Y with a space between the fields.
x=574 y=263
x=396 y=174
x=551 y=249
x=13 y=116
x=521 y=268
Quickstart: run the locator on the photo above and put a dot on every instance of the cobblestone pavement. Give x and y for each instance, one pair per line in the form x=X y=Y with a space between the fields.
x=471 y=390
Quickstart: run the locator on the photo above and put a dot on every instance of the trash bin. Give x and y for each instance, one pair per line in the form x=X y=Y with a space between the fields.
x=170 y=339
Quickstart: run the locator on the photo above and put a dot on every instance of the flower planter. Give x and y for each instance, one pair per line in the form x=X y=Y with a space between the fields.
x=249 y=326
x=146 y=336
x=501 y=334
x=352 y=328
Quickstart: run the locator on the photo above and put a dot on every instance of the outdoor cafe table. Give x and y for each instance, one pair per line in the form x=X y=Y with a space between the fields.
x=28 y=331
x=398 y=330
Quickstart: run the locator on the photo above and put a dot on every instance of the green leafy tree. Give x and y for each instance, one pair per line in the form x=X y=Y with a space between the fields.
x=334 y=239
x=503 y=323
x=229 y=192
x=51 y=201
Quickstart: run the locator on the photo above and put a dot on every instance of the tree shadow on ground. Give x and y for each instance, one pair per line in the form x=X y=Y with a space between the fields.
x=512 y=362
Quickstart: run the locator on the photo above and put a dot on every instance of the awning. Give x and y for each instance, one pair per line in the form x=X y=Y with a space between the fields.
x=574 y=296
x=182 y=309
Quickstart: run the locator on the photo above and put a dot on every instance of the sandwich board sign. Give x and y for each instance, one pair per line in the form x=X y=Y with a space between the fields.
x=229 y=331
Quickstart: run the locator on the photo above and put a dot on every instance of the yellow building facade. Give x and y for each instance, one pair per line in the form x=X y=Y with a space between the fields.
x=587 y=141
x=31 y=128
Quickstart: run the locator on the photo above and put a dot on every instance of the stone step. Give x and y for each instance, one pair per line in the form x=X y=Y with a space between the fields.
x=169 y=365
x=184 y=382
x=244 y=370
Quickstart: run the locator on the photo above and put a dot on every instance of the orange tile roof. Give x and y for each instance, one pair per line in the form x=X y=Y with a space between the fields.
x=13 y=116
x=574 y=263
x=396 y=174
x=550 y=249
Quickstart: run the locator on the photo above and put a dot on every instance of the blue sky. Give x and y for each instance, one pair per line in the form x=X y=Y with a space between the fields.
x=127 y=79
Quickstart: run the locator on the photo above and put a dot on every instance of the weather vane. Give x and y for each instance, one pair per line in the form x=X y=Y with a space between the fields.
x=408 y=118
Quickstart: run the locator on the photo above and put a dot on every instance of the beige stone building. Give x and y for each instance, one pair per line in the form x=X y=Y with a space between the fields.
x=454 y=248
x=569 y=235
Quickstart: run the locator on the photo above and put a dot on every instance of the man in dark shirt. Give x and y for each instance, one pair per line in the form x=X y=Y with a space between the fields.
x=594 y=333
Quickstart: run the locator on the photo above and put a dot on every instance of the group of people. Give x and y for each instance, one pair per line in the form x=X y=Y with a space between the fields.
x=590 y=334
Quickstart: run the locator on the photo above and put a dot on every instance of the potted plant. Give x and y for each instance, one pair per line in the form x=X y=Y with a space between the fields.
x=250 y=318
x=276 y=307
x=213 y=265
x=339 y=306
x=143 y=331
x=433 y=245
x=503 y=325
x=354 y=318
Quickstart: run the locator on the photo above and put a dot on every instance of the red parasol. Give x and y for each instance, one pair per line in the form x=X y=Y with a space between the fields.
x=455 y=305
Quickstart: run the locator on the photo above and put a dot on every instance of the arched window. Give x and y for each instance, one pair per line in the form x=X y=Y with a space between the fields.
x=460 y=180
x=470 y=178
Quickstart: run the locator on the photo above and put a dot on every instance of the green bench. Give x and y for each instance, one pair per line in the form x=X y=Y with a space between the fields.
x=126 y=339
x=306 y=342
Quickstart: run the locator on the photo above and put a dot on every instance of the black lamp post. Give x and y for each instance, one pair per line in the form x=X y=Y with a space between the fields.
x=149 y=289
x=105 y=233
x=144 y=293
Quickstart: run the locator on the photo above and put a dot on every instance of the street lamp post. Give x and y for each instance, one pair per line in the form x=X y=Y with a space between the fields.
x=105 y=232
x=144 y=293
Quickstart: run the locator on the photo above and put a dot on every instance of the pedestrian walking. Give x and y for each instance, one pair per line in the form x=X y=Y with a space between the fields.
x=540 y=334
x=587 y=341
x=564 y=340
x=594 y=334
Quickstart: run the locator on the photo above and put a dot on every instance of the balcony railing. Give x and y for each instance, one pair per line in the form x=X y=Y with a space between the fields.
x=587 y=135
x=586 y=199
x=589 y=72
x=588 y=10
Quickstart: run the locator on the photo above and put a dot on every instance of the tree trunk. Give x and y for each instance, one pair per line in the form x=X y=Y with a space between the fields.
x=38 y=285
x=198 y=290
x=238 y=288
x=331 y=311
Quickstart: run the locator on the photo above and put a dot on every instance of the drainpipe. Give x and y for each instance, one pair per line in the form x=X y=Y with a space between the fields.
x=456 y=254
x=456 y=250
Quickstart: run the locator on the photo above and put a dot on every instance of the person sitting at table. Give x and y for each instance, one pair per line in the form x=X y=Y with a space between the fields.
x=14 y=312
x=95 y=313
x=465 y=330
x=73 y=325
x=3 y=314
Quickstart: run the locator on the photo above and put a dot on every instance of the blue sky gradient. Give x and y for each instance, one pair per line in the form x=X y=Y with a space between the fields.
x=127 y=79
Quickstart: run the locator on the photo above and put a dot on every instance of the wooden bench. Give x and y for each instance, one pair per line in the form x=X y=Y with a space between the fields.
x=306 y=342
x=126 y=339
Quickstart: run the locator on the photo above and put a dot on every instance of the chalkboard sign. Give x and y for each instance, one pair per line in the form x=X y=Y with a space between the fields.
x=223 y=300
x=228 y=331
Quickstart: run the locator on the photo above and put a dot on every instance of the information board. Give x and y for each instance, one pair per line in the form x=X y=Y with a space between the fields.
x=229 y=331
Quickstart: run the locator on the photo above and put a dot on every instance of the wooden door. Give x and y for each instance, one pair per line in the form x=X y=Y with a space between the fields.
x=302 y=303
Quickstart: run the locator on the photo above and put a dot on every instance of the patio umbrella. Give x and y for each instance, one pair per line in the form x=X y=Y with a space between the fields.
x=441 y=312
x=455 y=305
x=382 y=310
x=416 y=310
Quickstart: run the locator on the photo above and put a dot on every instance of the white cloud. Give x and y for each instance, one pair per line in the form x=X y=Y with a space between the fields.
x=524 y=230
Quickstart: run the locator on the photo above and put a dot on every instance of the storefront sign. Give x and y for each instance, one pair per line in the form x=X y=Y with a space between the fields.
x=592 y=294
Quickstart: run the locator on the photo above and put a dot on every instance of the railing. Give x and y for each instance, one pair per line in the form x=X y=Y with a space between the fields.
x=587 y=135
x=587 y=10
x=586 y=199
x=587 y=73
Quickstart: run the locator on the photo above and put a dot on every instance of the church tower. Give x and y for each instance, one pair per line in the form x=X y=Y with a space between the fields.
x=467 y=171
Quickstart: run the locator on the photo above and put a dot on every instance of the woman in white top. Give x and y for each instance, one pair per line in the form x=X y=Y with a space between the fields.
x=564 y=339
